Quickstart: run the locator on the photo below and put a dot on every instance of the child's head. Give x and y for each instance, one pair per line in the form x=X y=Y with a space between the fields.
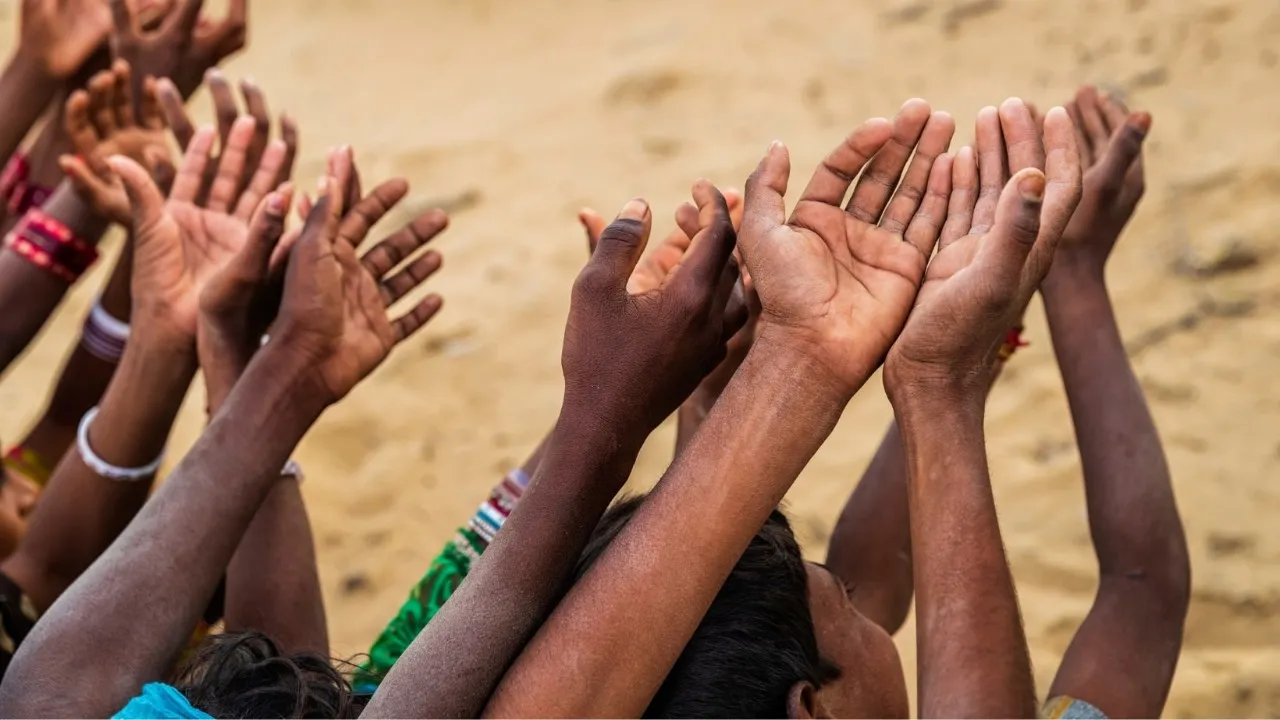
x=780 y=639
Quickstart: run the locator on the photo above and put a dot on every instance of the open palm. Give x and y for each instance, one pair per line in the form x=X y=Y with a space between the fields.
x=841 y=280
x=335 y=302
x=181 y=243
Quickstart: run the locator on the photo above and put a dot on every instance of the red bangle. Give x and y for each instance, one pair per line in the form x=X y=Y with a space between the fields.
x=1012 y=341
x=16 y=189
x=50 y=245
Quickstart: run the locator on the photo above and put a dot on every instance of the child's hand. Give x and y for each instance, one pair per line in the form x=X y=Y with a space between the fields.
x=1110 y=140
x=182 y=46
x=632 y=356
x=62 y=34
x=993 y=254
x=101 y=122
x=837 y=280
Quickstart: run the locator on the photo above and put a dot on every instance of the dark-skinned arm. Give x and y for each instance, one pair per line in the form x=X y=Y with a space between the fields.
x=606 y=415
x=599 y=653
x=1123 y=657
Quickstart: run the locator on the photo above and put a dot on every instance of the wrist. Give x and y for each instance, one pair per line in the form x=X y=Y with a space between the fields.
x=140 y=404
x=921 y=394
x=25 y=66
x=287 y=377
x=780 y=348
x=1072 y=269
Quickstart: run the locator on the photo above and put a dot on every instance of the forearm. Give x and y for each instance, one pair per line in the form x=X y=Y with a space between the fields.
x=273 y=585
x=1132 y=512
x=130 y=431
x=25 y=92
x=166 y=565
x=458 y=659
x=30 y=294
x=972 y=652
x=870 y=548
x=598 y=654
x=85 y=375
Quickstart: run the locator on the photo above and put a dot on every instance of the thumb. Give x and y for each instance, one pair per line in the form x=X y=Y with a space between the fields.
x=1017 y=224
x=764 y=207
x=145 y=198
x=1126 y=146
x=621 y=243
x=266 y=227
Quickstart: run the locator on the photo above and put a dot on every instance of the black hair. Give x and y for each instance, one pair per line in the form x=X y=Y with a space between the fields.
x=245 y=675
x=755 y=642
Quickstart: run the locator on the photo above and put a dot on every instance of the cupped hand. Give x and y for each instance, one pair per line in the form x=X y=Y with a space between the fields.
x=181 y=243
x=996 y=247
x=62 y=34
x=634 y=351
x=659 y=261
x=101 y=122
x=1110 y=140
x=334 y=311
x=836 y=282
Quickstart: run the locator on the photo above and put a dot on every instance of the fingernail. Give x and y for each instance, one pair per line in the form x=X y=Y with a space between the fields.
x=634 y=210
x=1032 y=187
x=322 y=187
x=775 y=145
x=275 y=203
x=1142 y=121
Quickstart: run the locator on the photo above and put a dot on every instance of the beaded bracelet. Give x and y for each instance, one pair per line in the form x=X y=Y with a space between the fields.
x=50 y=245
x=495 y=510
x=104 y=468
x=16 y=189
x=104 y=336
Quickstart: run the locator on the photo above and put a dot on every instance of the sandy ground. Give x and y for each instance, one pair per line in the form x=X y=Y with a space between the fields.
x=514 y=115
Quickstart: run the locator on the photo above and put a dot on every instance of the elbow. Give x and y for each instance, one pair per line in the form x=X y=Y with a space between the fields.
x=1161 y=574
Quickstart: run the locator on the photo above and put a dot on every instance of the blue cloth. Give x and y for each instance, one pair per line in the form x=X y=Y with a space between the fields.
x=160 y=701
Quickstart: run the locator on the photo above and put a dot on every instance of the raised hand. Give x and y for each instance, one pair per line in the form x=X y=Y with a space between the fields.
x=996 y=246
x=101 y=122
x=837 y=281
x=335 y=304
x=227 y=113
x=63 y=34
x=636 y=355
x=1110 y=140
x=180 y=244
x=182 y=46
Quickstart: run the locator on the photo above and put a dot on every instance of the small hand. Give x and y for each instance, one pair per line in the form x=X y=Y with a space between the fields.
x=334 y=309
x=63 y=34
x=658 y=262
x=100 y=123
x=996 y=248
x=179 y=245
x=227 y=113
x=1110 y=140
x=838 y=282
x=633 y=356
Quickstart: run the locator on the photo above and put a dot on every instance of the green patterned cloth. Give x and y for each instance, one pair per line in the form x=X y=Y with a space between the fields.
x=444 y=576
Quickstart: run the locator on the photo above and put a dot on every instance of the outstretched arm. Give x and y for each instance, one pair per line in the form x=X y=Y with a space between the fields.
x=332 y=331
x=599 y=652
x=609 y=409
x=996 y=246
x=1123 y=657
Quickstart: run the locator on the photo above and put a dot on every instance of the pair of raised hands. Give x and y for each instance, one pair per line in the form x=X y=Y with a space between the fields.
x=928 y=264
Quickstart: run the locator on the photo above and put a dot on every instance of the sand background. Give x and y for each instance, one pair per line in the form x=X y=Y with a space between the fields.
x=514 y=115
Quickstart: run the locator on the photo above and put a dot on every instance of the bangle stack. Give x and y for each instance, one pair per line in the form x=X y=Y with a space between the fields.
x=16 y=190
x=494 y=511
x=48 y=244
x=104 y=468
x=104 y=336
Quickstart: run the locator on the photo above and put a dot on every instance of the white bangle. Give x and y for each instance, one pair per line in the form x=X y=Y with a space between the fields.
x=104 y=468
x=294 y=470
x=104 y=336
